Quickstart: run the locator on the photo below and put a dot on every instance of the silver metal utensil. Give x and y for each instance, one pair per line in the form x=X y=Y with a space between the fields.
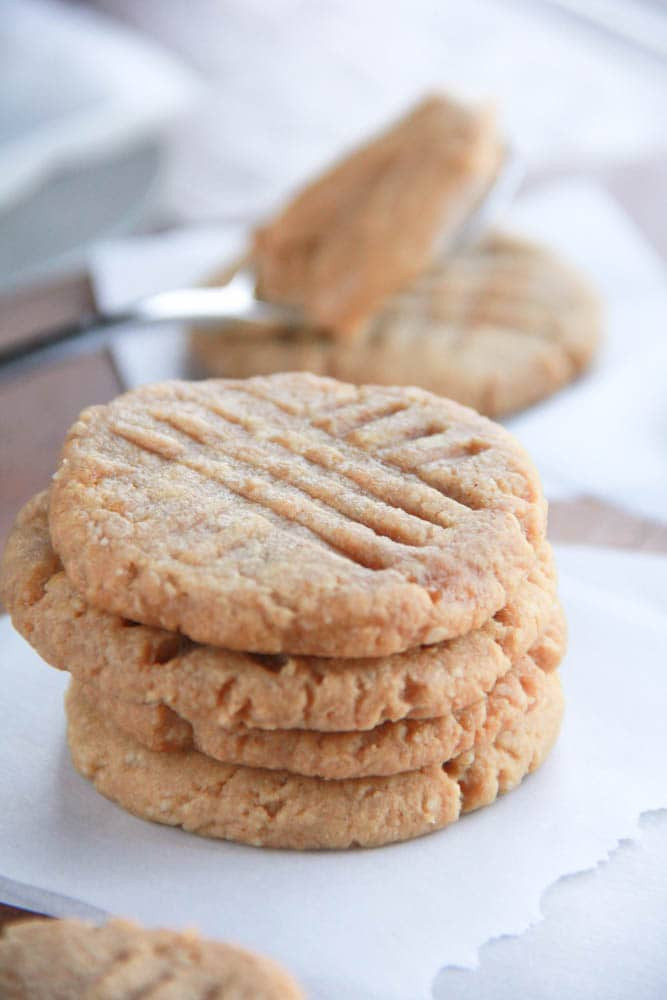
x=235 y=302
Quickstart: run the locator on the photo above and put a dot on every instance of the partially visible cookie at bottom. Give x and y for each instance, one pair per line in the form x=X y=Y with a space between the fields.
x=279 y=809
x=63 y=959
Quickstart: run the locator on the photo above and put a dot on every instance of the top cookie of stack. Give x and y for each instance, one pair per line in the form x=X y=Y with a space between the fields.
x=295 y=514
x=388 y=544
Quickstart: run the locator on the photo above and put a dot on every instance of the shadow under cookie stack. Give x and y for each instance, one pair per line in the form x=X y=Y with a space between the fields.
x=297 y=613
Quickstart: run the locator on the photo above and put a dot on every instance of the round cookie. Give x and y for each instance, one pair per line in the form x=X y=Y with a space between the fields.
x=277 y=809
x=295 y=514
x=496 y=327
x=136 y=663
x=391 y=748
x=57 y=959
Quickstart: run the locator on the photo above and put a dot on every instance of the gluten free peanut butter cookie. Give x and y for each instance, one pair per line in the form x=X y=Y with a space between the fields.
x=295 y=514
x=279 y=809
x=177 y=680
x=69 y=960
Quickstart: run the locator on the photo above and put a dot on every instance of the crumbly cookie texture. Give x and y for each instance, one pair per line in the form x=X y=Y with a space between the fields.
x=496 y=327
x=295 y=514
x=279 y=809
x=388 y=749
x=368 y=226
x=70 y=960
x=180 y=680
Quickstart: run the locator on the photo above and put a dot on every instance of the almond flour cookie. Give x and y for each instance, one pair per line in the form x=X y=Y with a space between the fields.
x=295 y=514
x=160 y=669
x=373 y=222
x=496 y=327
x=69 y=960
x=389 y=749
x=278 y=809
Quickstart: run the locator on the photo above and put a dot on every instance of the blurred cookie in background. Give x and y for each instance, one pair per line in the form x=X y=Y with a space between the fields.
x=498 y=326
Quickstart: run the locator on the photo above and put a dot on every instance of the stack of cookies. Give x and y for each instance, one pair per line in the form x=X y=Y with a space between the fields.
x=296 y=612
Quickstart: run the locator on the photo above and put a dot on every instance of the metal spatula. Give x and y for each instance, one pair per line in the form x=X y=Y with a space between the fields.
x=235 y=302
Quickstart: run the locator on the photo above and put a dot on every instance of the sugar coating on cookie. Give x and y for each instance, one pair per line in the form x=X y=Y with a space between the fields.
x=174 y=680
x=66 y=959
x=295 y=514
x=279 y=809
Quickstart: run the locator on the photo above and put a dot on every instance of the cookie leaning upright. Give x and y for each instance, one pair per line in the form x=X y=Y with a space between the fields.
x=295 y=514
x=373 y=222
x=376 y=257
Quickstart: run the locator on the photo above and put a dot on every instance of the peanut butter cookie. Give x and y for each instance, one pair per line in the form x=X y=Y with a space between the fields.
x=295 y=514
x=388 y=749
x=179 y=680
x=279 y=809
x=68 y=959
x=496 y=327
x=373 y=222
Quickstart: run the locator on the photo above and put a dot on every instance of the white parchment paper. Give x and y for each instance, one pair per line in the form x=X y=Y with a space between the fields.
x=362 y=924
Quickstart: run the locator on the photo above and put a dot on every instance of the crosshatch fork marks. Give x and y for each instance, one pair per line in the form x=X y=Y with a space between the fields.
x=284 y=524
x=283 y=463
x=522 y=497
x=428 y=487
x=345 y=420
x=405 y=491
x=245 y=526
x=354 y=539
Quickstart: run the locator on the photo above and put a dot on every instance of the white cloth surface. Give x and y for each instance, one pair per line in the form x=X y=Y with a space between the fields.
x=76 y=85
x=603 y=436
x=606 y=434
x=365 y=924
x=291 y=83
